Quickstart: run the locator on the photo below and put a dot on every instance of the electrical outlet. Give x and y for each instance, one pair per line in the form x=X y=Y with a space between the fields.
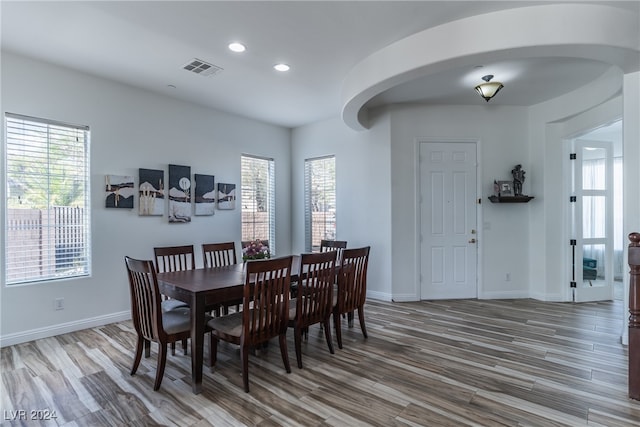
x=507 y=277
x=58 y=304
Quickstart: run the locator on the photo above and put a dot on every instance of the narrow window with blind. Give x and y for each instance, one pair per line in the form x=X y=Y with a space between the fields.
x=320 y=201
x=47 y=230
x=258 y=200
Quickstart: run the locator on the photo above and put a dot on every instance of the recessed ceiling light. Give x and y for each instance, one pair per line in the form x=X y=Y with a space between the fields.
x=237 y=47
x=281 y=67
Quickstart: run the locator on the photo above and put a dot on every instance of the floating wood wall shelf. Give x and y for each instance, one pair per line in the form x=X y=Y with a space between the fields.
x=510 y=199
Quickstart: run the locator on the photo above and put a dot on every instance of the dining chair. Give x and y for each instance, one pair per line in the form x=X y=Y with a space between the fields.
x=220 y=255
x=264 y=316
x=314 y=301
x=174 y=258
x=327 y=244
x=152 y=324
x=352 y=288
x=333 y=245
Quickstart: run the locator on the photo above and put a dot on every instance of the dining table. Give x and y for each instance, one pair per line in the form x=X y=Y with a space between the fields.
x=203 y=288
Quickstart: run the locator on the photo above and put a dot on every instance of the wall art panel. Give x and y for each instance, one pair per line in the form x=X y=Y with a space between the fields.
x=151 y=192
x=119 y=191
x=179 y=193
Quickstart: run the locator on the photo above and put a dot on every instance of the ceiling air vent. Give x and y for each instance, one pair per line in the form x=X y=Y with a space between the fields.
x=201 y=67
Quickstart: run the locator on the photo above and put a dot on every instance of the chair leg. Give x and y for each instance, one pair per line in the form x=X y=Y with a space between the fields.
x=173 y=348
x=147 y=348
x=336 y=324
x=162 y=361
x=361 y=318
x=184 y=346
x=285 y=353
x=213 y=351
x=350 y=319
x=297 y=335
x=136 y=361
x=244 y=355
x=327 y=334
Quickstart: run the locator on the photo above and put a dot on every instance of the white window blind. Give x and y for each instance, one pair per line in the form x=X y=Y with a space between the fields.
x=320 y=201
x=258 y=199
x=47 y=230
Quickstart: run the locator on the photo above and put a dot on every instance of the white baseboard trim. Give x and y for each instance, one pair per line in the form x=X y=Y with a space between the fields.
x=504 y=295
x=382 y=296
x=62 y=328
x=548 y=297
x=404 y=298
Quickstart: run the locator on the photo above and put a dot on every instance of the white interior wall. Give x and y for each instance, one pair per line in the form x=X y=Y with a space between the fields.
x=363 y=191
x=130 y=129
x=133 y=129
x=631 y=172
x=525 y=240
x=503 y=234
x=548 y=227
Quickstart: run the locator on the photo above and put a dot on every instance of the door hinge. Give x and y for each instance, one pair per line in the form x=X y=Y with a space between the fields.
x=573 y=242
x=479 y=201
x=572 y=156
x=573 y=284
x=572 y=199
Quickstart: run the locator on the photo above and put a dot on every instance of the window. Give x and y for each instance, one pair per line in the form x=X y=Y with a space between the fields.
x=320 y=201
x=47 y=230
x=258 y=200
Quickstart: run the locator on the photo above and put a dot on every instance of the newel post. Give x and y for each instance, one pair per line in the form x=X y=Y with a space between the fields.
x=634 y=316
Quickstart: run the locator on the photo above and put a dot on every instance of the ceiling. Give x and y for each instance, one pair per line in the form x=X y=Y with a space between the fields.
x=146 y=44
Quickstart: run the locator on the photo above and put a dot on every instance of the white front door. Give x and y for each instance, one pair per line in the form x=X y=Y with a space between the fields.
x=448 y=240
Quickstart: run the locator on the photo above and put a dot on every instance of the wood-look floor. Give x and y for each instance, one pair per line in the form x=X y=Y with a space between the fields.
x=455 y=363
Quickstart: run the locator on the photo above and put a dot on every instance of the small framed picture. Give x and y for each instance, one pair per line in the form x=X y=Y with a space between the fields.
x=505 y=188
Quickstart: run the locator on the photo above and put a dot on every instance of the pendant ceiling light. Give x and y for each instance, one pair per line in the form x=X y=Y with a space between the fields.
x=488 y=89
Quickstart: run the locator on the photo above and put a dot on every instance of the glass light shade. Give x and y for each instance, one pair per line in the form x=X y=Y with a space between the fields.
x=489 y=89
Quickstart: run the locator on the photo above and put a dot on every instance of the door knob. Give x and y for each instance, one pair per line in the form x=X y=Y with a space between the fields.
x=472 y=241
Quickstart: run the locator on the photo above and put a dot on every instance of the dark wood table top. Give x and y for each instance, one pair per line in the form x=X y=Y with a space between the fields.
x=212 y=279
x=204 y=279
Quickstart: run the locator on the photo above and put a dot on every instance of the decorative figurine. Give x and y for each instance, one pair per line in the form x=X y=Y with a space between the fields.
x=518 y=179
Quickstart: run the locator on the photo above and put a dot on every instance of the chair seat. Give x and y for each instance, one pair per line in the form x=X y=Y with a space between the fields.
x=176 y=321
x=229 y=325
x=172 y=304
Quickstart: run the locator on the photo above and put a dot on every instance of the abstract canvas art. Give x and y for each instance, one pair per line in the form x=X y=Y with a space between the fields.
x=205 y=196
x=119 y=191
x=179 y=193
x=151 y=192
x=226 y=196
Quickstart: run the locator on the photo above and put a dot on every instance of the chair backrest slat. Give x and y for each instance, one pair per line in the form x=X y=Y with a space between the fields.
x=315 y=287
x=333 y=245
x=219 y=254
x=266 y=290
x=352 y=279
x=174 y=258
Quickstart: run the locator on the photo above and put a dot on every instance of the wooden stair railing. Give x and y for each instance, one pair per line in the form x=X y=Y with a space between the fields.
x=634 y=316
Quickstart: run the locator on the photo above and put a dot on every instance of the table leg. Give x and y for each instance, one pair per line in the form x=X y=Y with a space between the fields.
x=197 y=342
